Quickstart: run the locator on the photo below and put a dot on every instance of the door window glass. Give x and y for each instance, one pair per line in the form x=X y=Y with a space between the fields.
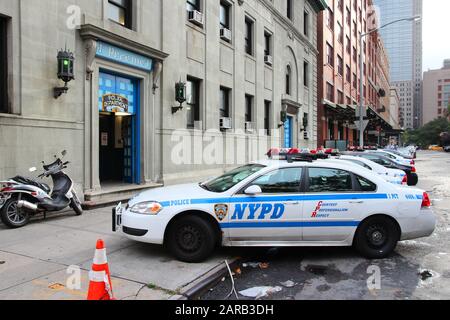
x=366 y=185
x=329 y=180
x=280 y=181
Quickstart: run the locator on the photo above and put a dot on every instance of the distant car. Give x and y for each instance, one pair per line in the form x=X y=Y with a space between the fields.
x=394 y=176
x=394 y=157
x=413 y=178
x=447 y=149
x=293 y=202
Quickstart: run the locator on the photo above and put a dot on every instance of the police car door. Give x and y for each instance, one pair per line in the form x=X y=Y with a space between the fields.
x=330 y=206
x=272 y=216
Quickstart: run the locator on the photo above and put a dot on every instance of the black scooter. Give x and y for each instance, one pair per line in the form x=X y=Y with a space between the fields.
x=21 y=198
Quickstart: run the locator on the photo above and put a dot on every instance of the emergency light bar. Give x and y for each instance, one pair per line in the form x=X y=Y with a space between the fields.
x=294 y=154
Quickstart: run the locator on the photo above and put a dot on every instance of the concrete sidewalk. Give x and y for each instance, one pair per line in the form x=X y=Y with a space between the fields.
x=34 y=261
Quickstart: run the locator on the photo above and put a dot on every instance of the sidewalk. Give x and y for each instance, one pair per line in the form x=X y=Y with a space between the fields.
x=34 y=261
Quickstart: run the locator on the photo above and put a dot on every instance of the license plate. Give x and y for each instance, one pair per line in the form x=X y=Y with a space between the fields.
x=117 y=217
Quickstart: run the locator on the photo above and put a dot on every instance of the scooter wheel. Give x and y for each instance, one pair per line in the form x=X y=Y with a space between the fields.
x=76 y=206
x=12 y=216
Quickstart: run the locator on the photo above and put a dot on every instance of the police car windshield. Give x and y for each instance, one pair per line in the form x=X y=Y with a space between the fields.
x=232 y=178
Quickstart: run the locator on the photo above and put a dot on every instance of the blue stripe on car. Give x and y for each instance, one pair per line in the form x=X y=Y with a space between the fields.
x=281 y=224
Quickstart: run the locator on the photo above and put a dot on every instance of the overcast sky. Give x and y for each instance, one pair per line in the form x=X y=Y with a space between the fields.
x=436 y=29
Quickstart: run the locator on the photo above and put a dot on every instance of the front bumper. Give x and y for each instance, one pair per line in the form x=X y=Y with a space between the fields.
x=139 y=227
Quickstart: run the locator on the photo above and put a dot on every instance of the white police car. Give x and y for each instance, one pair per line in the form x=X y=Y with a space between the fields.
x=293 y=202
x=390 y=175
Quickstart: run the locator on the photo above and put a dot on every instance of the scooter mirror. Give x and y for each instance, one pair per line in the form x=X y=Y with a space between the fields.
x=33 y=169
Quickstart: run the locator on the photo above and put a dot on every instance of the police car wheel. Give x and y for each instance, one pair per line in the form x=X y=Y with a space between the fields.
x=376 y=238
x=191 y=239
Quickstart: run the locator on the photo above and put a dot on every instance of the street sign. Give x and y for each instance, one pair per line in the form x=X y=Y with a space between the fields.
x=365 y=123
x=364 y=112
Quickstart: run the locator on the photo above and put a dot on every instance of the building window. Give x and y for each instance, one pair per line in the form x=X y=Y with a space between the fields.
x=288 y=80
x=306 y=74
x=249 y=36
x=119 y=11
x=355 y=28
x=267 y=112
x=340 y=97
x=349 y=45
x=3 y=67
x=330 y=55
x=225 y=15
x=348 y=75
x=349 y=17
x=193 y=101
x=267 y=44
x=306 y=23
x=340 y=66
x=355 y=81
x=340 y=33
x=289 y=11
x=225 y=102
x=341 y=5
x=330 y=92
x=330 y=19
x=248 y=108
x=354 y=54
x=193 y=5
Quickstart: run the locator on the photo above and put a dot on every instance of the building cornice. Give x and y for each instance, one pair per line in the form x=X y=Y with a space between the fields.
x=290 y=26
x=93 y=32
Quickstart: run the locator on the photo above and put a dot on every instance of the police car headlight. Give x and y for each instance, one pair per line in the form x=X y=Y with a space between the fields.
x=150 y=207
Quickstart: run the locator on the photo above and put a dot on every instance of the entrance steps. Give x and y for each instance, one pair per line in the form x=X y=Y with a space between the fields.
x=112 y=194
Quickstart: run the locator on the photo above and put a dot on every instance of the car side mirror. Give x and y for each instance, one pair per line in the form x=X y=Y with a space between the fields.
x=32 y=169
x=253 y=190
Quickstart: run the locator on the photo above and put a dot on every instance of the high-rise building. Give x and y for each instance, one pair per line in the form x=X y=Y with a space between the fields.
x=403 y=43
x=436 y=93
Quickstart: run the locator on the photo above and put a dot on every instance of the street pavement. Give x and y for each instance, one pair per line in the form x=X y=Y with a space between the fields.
x=34 y=261
x=419 y=269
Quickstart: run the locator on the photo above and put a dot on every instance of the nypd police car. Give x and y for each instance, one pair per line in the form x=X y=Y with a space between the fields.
x=292 y=202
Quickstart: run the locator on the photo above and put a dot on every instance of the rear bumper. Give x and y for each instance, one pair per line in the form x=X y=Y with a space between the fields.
x=420 y=227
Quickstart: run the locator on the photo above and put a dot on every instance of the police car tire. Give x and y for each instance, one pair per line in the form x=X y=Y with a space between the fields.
x=389 y=230
x=413 y=180
x=203 y=236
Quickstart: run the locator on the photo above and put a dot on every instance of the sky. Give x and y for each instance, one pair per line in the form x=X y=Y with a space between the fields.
x=436 y=27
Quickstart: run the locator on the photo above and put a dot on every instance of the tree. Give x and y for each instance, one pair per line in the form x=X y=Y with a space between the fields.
x=429 y=134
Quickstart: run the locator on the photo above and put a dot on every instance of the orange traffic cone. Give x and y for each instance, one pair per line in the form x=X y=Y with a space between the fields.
x=100 y=286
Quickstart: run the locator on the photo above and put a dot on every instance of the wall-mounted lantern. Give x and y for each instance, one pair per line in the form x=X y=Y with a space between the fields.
x=65 y=71
x=283 y=118
x=180 y=96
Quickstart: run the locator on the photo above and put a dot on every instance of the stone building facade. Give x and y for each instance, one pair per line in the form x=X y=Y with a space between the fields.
x=249 y=69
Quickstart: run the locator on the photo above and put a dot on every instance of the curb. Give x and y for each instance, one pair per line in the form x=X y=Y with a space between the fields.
x=201 y=285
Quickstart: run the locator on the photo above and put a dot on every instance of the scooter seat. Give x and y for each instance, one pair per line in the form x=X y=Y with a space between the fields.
x=44 y=187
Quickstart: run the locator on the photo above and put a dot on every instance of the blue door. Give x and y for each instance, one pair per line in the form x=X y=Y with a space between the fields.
x=118 y=97
x=288 y=139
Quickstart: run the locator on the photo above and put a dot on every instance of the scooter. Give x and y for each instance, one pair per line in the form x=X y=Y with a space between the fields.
x=21 y=198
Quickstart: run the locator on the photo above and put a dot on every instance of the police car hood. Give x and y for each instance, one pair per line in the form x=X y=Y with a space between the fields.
x=172 y=193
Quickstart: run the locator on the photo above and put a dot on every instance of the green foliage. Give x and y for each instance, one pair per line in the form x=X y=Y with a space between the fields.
x=428 y=134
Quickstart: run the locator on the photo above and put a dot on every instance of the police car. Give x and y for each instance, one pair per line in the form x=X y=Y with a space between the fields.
x=290 y=201
x=391 y=175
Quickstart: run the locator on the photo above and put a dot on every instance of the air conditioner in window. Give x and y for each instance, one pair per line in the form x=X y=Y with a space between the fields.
x=196 y=17
x=225 y=34
x=306 y=135
x=268 y=59
x=225 y=123
x=249 y=127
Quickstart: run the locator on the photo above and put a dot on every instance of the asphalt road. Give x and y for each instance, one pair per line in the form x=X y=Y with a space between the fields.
x=419 y=269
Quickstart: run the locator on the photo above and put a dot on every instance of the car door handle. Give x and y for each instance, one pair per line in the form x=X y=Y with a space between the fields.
x=291 y=203
x=357 y=202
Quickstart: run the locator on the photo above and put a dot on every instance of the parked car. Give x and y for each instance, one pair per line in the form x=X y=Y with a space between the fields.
x=293 y=202
x=411 y=172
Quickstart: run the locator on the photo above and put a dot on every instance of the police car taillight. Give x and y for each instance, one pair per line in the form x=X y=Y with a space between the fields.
x=405 y=180
x=426 y=202
x=413 y=162
x=413 y=170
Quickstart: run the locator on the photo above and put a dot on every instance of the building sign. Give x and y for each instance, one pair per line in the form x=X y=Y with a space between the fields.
x=114 y=103
x=122 y=56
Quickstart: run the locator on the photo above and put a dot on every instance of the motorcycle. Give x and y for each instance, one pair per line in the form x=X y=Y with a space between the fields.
x=21 y=198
